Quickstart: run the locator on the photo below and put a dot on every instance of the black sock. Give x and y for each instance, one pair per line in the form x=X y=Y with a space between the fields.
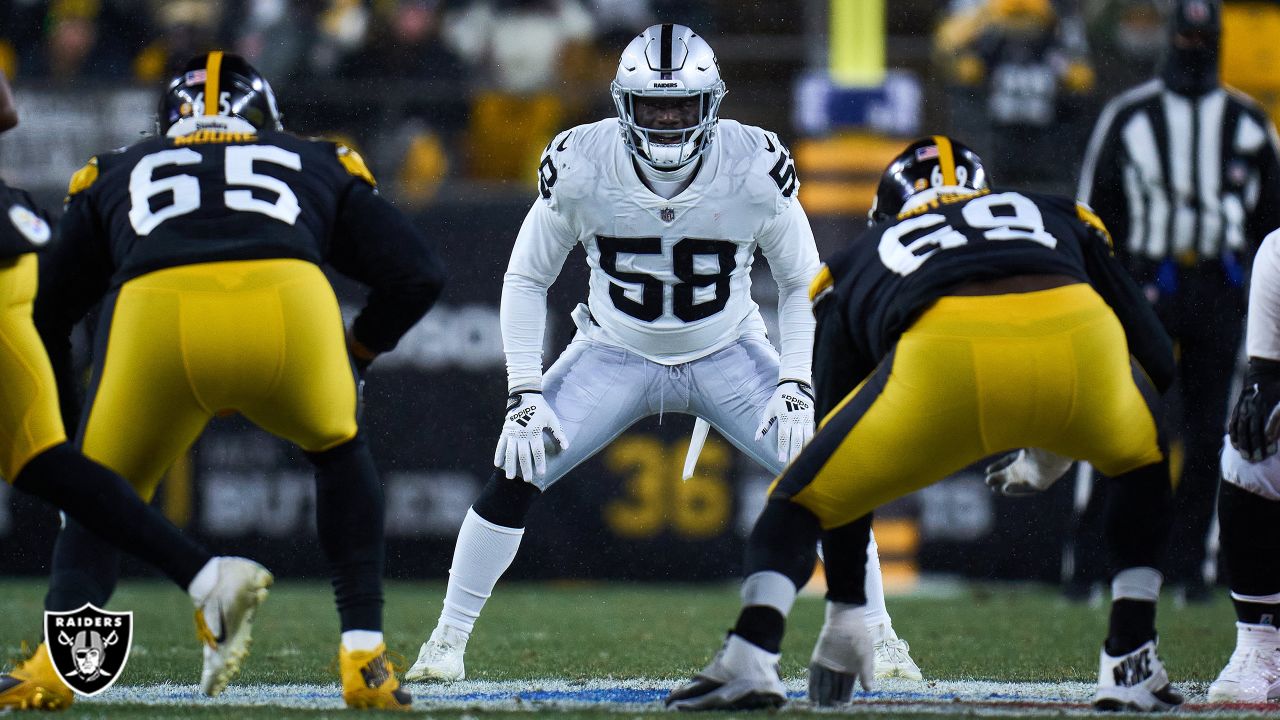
x=784 y=540
x=105 y=504
x=844 y=552
x=1250 y=551
x=1257 y=613
x=1137 y=516
x=1133 y=622
x=84 y=570
x=761 y=626
x=350 y=519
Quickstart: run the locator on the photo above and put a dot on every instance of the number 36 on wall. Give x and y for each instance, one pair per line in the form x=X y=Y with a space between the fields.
x=657 y=501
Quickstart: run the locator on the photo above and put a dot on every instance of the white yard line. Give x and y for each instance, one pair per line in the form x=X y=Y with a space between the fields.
x=979 y=698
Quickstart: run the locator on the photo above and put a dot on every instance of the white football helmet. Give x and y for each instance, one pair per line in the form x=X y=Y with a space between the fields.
x=668 y=61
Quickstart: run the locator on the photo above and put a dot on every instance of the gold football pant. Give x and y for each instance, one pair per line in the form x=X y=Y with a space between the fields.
x=974 y=376
x=261 y=337
x=30 y=421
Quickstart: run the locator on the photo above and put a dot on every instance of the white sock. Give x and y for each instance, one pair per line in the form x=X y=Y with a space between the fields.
x=1137 y=583
x=840 y=614
x=876 y=613
x=770 y=589
x=361 y=640
x=484 y=551
x=202 y=584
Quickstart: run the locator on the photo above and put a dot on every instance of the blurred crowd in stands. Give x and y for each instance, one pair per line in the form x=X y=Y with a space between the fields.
x=494 y=70
x=474 y=88
x=1027 y=78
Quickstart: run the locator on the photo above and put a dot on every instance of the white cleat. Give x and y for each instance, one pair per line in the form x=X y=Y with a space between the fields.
x=1252 y=675
x=224 y=620
x=1135 y=681
x=741 y=676
x=893 y=656
x=441 y=656
x=843 y=657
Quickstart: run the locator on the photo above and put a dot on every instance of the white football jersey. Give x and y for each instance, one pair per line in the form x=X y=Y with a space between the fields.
x=1262 y=337
x=670 y=279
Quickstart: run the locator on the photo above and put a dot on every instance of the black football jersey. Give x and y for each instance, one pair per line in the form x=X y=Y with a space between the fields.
x=24 y=227
x=872 y=291
x=218 y=195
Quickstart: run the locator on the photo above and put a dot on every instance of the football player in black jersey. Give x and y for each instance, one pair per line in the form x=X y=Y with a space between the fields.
x=204 y=246
x=964 y=322
x=36 y=457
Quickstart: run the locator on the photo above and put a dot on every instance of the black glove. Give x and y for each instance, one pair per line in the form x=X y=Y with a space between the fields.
x=1255 y=422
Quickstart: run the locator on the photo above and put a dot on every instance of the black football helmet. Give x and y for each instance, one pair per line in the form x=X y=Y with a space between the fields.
x=240 y=91
x=931 y=162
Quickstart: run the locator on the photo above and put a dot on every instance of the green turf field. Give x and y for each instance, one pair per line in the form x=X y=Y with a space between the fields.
x=577 y=632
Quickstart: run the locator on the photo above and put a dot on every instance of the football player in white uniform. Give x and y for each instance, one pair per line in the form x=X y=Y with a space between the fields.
x=1249 y=498
x=670 y=203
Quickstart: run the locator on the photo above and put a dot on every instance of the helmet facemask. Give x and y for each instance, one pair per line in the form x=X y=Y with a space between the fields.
x=648 y=128
x=667 y=92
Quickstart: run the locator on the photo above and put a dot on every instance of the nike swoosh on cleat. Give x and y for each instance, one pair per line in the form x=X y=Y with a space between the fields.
x=221 y=637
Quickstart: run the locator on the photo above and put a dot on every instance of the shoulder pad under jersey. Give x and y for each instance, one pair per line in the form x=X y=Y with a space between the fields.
x=576 y=160
x=770 y=169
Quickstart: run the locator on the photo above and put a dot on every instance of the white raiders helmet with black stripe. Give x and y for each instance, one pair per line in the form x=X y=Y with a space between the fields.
x=668 y=61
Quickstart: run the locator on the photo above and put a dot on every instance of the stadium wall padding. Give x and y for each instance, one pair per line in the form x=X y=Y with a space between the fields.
x=432 y=413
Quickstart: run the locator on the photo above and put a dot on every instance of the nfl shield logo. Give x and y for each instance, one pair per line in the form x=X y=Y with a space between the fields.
x=89 y=647
x=667 y=214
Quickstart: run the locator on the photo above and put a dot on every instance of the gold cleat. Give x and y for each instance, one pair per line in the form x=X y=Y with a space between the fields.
x=369 y=680
x=35 y=685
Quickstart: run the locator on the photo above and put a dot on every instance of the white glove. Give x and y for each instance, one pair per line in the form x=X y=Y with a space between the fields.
x=792 y=408
x=844 y=655
x=1026 y=472
x=528 y=414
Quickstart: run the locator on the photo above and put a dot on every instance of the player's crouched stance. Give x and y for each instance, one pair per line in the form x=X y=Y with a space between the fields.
x=670 y=203
x=963 y=323
x=1249 y=498
x=36 y=457
x=204 y=244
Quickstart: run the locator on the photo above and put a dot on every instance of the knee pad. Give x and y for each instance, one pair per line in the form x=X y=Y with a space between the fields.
x=505 y=501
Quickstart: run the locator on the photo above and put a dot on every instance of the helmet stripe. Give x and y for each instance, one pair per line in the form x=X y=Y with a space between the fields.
x=664 y=60
x=946 y=158
x=212 y=89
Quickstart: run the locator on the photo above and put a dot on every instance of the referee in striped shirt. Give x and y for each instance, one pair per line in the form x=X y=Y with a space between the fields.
x=1186 y=174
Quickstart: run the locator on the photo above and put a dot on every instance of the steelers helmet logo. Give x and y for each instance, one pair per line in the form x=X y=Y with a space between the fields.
x=32 y=226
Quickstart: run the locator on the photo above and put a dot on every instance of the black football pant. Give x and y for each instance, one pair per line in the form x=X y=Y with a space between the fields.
x=91 y=494
x=349 y=519
x=1206 y=319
